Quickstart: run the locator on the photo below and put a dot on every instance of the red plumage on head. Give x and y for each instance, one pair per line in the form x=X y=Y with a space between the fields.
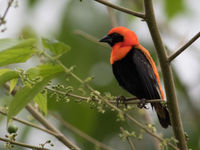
x=130 y=38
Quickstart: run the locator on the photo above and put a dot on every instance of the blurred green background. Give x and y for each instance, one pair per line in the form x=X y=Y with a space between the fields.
x=178 y=21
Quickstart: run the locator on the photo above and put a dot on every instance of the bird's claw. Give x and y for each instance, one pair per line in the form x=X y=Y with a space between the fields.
x=121 y=100
x=142 y=104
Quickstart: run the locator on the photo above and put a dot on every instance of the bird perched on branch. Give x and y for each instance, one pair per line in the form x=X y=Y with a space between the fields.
x=135 y=69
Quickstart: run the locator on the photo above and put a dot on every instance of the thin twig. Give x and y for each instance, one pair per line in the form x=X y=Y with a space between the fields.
x=128 y=140
x=127 y=101
x=49 y=126
x=30 y=124
x=2 y=19
x=113 y=20
x=22 y=144
x=184 y=47
x=80 y=133
x=122 y=9
x=130 y=143
x=155 y=141
x=90 y=38
x=172 y=102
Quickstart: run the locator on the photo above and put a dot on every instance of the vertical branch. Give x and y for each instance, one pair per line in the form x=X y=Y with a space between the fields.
x=167 y=76
x=112 y=17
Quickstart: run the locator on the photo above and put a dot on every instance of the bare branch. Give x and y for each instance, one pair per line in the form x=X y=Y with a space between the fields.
x=82 y=134
x=127 y=101
x=30 y=124
x=184 y=47
x=122 y=9
x=172 y=102
x=128 y=140
x=2 y=19
x=22 y=144
x=49 y=126
x=90 y=38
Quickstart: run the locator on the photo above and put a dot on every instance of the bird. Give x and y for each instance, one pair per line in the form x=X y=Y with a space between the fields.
x=135 y=70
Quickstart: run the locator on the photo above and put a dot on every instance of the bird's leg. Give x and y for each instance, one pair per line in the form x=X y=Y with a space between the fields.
x=121 y=100
x=142 y=104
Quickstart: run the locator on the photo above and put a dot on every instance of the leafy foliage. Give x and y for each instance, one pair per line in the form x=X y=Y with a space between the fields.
x=16 y=51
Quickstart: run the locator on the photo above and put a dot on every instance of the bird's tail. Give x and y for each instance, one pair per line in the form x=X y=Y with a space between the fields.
x=163 y=114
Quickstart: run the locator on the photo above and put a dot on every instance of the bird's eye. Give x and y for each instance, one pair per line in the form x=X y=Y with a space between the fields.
x=116 y=37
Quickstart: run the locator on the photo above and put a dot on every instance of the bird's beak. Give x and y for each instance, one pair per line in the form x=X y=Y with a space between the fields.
x=106 y=39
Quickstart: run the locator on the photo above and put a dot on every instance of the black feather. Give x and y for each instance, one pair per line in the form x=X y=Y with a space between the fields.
x=135 y=74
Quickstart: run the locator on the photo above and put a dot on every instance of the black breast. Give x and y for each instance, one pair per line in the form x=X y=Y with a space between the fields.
x=135 y=74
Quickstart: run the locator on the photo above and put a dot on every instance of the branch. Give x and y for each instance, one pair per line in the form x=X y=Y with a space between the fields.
x=148 y=120
x=49 y=126
x=122 y=9
x=90 y=38
x=22 y=144
x=81 y=134
x=127 y=101
x=184 y=47
x=2 y=19
x=30 y=124
x=167 y=76
x=128 y=140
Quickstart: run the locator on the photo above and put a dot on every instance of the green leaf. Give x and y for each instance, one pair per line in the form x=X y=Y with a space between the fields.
x=44 y=70
x=47 y=69
x=2 y=71
x=13 y=83
x=41 y=100
x=56 y=47
x=7 y=76
x=15 y=51
x=173 y=7
x=15 y=43
x=24 y=96
x=32 y=73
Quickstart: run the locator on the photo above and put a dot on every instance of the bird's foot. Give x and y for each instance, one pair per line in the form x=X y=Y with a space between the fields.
x=142 y=104
x=121 y=100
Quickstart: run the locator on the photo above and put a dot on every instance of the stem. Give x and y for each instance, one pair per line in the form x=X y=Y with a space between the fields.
x=22 y=144
x=128 y=101
x=49 y=126
x=167 y=76
x=184 y=47
x=140 y=125
x=122 y=9
x=82 y=134
x=131 y=143
x=90 y=38
x=155 y=141
x=128 y=140
x=113 y=20
x=30 y=124
x=2 y=19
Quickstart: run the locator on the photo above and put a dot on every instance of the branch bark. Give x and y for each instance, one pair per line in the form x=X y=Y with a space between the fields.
x=22 y=144
x=184 y=47
x=49 y=126
x=167 y=76
x=81 y=134
x=122 y=9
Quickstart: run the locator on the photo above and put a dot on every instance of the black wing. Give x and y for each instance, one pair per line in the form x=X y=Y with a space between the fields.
x=135 y=74
x=146 y=74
